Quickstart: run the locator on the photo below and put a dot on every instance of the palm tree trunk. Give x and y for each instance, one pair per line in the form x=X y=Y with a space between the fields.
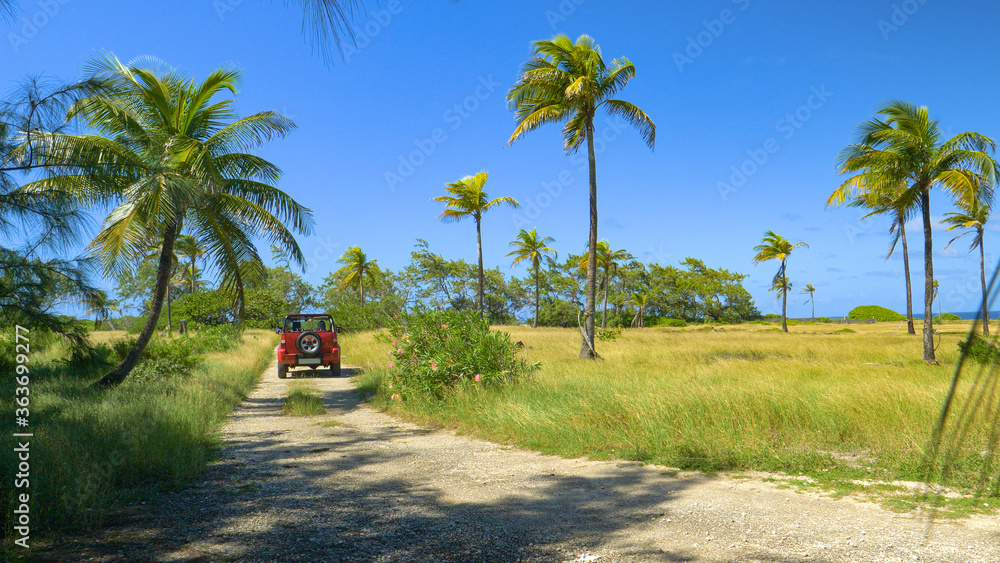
x=479 y=243
x=604 y=314
x=117 y=375
x=169 y=315
x=906 y=272
x=194 y=273
x=812 y=299
x=784 y=298
x=928 y=336
x=361 y=288
x=982 y=277
x=537 y=266
x=587 y=350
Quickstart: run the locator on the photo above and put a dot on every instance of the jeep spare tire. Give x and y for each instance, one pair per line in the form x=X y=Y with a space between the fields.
x=309 y=343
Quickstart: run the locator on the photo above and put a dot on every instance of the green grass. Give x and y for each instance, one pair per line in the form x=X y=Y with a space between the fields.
x=833 y=406
x=302 y=401
x=93 y=450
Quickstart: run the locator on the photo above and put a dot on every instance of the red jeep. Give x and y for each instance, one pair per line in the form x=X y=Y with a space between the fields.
x=308 y=340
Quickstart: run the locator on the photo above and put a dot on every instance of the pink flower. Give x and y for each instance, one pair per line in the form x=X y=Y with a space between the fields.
x=391 y=365
x=478 y=378
x=390 y=386
x=445 y=325
x=396 y=397
x=399 y=350
x=434 y=366
x=394 y=342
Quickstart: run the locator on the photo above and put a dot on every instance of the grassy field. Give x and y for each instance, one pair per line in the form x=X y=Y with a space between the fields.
x=840 y=408
x=93 y=450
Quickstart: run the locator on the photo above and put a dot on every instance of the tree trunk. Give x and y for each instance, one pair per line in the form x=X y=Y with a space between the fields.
x=784 y=298
x=587 y=349
x=906 y=272
x=169 y=314
x=361 y=289
x=537 y=266
x=194 y=273
x=604 y=314
x=982 y=277
x=117 y=375
x=928 y=336
x=479 y=243
x=812 y=299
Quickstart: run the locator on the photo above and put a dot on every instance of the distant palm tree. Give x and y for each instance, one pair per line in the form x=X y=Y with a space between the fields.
x=528 y=246
x=569 y=82
x=776 y=247
x=102 y=307
x=973 y=215
x=639 y=298
x=356 y=268
x=903 y=145
x=810 y=290
x=468 y=199
x=608 y=261
x=189 y=247
x=168 y=154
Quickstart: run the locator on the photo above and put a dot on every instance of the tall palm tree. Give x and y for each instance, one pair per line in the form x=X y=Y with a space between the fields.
x=608 y=261
x=101 y=305
x=466 y=198
x=567 y=82
x=776 y=247
x=527 y=246
x=167 y=153
x=898 y=202
x=190 y=248
x=356 y=268
x=903 y=145
x=811 y=292
x=973 y=215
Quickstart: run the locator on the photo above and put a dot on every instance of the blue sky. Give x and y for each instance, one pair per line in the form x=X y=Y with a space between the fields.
x=773 y=89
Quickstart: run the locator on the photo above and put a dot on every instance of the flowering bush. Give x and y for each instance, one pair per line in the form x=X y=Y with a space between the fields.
x=432 y=352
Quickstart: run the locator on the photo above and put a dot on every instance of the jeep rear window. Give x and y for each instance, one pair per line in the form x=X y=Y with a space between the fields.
x=300 y=324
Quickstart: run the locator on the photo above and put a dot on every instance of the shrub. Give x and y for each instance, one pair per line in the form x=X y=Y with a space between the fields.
x=982 y=350
x=772 y=316
x=881 y=314
x=947 y=317
x=608 y=334
x=844 y=331
x=824 y=319
x=678 y=323
x=434 y=351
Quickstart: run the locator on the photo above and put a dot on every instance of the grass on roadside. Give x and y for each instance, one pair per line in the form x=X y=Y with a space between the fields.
x=840 y=408
x=301 y=400
x=94 y=450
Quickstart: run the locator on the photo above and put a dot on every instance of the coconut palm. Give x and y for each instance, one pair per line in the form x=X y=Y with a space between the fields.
x=811 y=292
x=101 y=305
x=639 y=298
x=903 y=145
x=167 y=154
x=468 y=199
x=528 y=247
x=567 y=82
x=776 y=247
x=608 y=261
x=356 y=268
x=899 y=204
x=973 y=215
x=190 y=248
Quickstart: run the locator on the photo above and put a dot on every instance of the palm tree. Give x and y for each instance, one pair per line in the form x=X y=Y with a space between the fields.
x=102 y=307
x=168 y=154
x=607 y=260
x=569 y=82
x=189 y=247
x=527 y=246
x=356 y=268
x=639 y=298
x=467 y=199
x=898 y=202
x=973 y=215
x=903 y=145
x=776 y=247
x=811 y=291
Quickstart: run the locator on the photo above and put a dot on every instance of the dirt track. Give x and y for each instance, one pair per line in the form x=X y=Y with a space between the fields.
x=358 y=485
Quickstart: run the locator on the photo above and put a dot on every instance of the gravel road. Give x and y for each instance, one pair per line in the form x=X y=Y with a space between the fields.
x=358 y=485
